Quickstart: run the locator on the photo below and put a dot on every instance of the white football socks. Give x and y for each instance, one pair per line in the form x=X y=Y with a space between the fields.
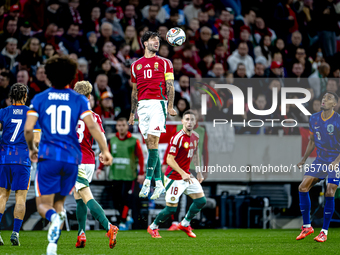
x=185 y=222
x=153 y=226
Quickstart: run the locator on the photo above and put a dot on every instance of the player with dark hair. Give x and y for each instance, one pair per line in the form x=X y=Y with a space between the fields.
x=152 y=92
x=324 y=127
x=83 y=195
x=183 y=149
x=15 y=164
x=58 y=110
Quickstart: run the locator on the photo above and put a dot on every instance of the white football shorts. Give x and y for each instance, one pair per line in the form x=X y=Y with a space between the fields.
x=85 y=173
x=175 y=188
x=152 y=116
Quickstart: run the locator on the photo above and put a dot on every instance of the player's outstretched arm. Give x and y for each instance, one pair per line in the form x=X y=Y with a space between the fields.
x=28 y=132
x=97 y=135
x=196 y=160
x=309 y=150
x=170 y=91
x=170 y=160
x=134 y=102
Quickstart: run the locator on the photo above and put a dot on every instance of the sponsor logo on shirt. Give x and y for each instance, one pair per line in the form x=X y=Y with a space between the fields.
x=17 y=111
x=147 y=66
x=139 y=66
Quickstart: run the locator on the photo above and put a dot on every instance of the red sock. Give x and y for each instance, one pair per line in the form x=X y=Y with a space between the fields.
x=125 y=212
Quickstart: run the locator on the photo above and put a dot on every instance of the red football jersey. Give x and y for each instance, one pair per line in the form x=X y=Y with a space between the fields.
x=150 y=75
x=182 y=146
x=86 y=140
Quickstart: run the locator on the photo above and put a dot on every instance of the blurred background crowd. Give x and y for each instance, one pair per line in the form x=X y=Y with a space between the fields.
x=277 y=43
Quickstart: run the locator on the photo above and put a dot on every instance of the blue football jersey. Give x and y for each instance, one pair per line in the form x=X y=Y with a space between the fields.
x=58 y=112
x=326 y=135
x=13 y=146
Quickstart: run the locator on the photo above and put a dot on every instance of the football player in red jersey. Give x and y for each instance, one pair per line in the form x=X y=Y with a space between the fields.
x=183 y=148
x=153 y=96
x=83 y=193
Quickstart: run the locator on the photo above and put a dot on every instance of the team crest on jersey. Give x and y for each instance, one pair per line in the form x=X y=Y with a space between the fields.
x=186 y=145
x=156 y=66
x=330 y=129
x=173 y=198
x=139 y=66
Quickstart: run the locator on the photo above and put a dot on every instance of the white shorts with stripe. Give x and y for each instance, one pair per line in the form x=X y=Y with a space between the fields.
x=175 y=188
x=85 y=173
x=152 y=116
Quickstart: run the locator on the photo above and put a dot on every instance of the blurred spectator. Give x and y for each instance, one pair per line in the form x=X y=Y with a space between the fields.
x=124 y=52
x=225 y=39
x=105 y=108
x=240 y=72
x=70 y=14
x=40 y=82
x=327 y=26
x=164 y=50
x=5 y=79
x=274 y=83
x=221 y=55
x=178 y=66
x=261 y=30
x=225 y=18
x=130 y=17
x=217 y=72
x=2 y=16
x=33 y=52
x=173 y=19
x=318 y=79
x=206 y=64
x=100 y=86
x=175 y=5
x=71 y=39
x=162 y=30
x=245 y=37
x=276 y=71
x=181 y=106
x=93 y=23
x=23 y=63
x=264 y=50
x=10 y=30
x=191 y=10
x=48 y=52
x=279 y=46
x=194 y=25
x=258 y=82
x=34 y=12
x=190 y=67
x=332 y=86
x=296 y=40
x=297 y=80
x=23 y=77
x=159 y=14
x=184 y=89
x=52 y=13
x=50 y=36
x=247 y=20
x=14 y=12
x=117 y=30
x=106 y=68
x=241 y=56
x=205 y=41
x=131 y=38
x=316 y=106
x=108 y=51
x=9 y=53
x=301 y=57
x=83 y=66
x=24 y=34
x=203 y=19
x=285 y=20
x=90 y=49
x=151 y=20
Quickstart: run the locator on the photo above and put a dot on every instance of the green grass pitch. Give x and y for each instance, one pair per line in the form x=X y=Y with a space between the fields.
x=230 y=241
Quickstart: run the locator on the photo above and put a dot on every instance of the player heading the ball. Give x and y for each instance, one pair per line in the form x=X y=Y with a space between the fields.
x=153 y=96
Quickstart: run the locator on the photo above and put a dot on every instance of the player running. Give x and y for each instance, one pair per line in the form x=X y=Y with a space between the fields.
x=83 y=195
x=15 y=164
x=153 y=96
x=183 y=147
x=58 y=110
x=324 y=130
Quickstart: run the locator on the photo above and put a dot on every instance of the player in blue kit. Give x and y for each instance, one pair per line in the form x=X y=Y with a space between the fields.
x=324 y=130
x=15 y=164
x=58 y=110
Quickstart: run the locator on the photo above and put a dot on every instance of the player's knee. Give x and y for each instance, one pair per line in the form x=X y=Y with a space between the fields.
x=303 y=188
x=200 y=202
x=171 y=209
x=19 y=208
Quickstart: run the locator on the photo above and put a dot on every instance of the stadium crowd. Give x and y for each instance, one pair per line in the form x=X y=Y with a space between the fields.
x=276 y=43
